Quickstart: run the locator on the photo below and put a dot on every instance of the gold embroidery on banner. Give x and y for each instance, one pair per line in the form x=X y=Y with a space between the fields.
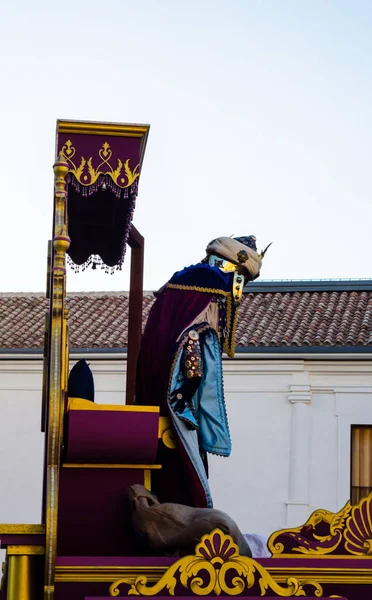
x=211 y=570
x=86 y=174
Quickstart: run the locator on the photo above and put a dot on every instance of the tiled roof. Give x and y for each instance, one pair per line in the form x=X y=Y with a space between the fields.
x=266 y=319
x=306 y=319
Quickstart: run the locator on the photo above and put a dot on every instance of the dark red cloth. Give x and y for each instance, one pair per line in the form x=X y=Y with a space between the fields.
x=171 y=313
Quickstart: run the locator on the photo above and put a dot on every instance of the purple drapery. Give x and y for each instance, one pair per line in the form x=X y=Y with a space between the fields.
x=172 y=312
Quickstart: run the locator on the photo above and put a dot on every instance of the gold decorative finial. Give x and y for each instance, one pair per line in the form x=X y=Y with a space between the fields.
x=61 y=157
x=62 y=241
x=60 y=169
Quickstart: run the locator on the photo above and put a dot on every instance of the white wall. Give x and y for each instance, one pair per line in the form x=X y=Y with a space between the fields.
x=277 y=475
x=290 y=426
x=21 y=443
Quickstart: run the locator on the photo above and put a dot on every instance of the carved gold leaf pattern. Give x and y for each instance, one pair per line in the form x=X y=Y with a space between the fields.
x=358 y=531
x=324 y=544
x=86 y=174
x=216 y=568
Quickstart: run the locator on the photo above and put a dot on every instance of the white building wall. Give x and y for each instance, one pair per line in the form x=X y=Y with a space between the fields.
x=285 y=465
x=21 y=442
x=290 y=426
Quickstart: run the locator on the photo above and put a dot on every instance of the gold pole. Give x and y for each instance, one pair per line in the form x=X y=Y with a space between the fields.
x=61 y=243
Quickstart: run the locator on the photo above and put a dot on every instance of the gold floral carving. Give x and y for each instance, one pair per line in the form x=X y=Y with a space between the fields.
x=349 y=533
x=216 y=568
x=86 y=174
x=320 y=544
x=358 y=532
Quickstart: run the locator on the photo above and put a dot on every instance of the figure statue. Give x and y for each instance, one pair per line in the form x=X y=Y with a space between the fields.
x=176 y=528
x=192 y=321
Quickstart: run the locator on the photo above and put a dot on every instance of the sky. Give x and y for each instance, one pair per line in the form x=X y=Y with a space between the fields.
x=261 y=123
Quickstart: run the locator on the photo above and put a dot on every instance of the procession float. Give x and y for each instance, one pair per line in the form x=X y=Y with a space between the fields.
x=127 y=509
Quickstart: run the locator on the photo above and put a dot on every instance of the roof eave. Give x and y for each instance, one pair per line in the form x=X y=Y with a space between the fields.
x=308 y=285
x=241 y=352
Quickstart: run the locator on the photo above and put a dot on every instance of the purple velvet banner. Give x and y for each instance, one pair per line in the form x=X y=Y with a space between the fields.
x=90 y=156
x=104 y=162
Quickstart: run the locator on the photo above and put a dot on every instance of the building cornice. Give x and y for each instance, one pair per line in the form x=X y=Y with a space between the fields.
x=339 y=353
x=308 y=285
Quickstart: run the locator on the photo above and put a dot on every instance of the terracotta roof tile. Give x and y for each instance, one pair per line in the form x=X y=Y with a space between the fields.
x=266 y=319
x=306 y=319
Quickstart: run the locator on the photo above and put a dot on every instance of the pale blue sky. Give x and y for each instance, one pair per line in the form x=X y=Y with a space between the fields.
x=261 y=122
